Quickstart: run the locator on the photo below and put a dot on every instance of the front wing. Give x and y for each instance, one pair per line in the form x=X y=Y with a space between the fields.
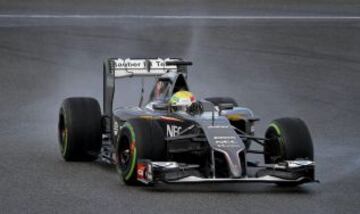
x=289 y=172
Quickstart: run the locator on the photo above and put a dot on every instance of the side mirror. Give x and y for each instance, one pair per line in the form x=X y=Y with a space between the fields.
x=225 y=106
x=161 y=106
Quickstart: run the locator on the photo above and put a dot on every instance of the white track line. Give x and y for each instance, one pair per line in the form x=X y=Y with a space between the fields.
x=75 y=16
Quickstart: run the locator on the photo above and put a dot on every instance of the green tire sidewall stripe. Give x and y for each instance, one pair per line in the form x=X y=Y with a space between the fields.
x=134 y=154
x=281 y=139
x=276 y=127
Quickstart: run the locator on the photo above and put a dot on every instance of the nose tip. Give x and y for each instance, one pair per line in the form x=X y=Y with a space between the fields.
x=235 y=170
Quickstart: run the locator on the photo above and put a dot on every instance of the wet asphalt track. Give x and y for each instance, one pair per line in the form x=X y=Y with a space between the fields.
x=304 y=68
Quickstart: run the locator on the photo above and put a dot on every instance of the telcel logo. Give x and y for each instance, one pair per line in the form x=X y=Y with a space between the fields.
x=172 y=131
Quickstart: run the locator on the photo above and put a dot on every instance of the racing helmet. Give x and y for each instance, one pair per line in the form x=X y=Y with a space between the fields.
x=181 y=101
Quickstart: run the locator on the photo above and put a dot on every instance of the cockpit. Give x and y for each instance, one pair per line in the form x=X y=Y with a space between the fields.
x=166 y=86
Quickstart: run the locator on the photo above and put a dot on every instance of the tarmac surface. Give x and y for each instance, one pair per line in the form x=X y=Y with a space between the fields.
x=307 y=68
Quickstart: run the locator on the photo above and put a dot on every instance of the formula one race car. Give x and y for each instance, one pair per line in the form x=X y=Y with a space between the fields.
x=175 y=138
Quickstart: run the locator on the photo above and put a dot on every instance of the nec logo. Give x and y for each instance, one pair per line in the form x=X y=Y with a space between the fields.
x=172 y=131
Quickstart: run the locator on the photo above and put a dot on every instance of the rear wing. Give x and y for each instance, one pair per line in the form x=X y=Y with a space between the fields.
x=142 y=67
x=121 y=68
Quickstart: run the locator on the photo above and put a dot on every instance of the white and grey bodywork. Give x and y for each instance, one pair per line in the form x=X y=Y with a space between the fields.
x=212 y=127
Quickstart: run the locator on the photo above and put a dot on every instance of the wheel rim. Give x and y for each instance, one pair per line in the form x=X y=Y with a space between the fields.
x=124 y=155
x=273 y=148
x=125 y=158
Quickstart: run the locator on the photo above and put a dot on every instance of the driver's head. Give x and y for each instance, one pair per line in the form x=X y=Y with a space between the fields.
x=181 y=101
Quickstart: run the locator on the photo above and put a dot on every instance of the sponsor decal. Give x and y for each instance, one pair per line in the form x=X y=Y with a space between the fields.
x=129 y=64
x=224 y=138
x=226 y=142
x=141 y=64
x=172 y=130
x=141 y=168
x=218 y=127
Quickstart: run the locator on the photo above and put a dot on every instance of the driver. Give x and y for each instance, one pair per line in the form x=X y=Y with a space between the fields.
x=182 y=101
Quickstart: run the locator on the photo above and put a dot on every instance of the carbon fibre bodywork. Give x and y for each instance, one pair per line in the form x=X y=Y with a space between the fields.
x=210 y=145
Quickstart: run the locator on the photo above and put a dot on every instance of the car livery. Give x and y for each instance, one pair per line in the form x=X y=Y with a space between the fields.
x=209 y=142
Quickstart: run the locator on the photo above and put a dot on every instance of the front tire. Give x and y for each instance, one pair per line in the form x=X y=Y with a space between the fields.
x=139 y=139
x=288 y=139
x=79 y=129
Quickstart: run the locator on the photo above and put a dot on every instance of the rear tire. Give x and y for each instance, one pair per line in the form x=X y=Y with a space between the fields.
x=139 y=139
x=289 y=139
x=79 y=129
